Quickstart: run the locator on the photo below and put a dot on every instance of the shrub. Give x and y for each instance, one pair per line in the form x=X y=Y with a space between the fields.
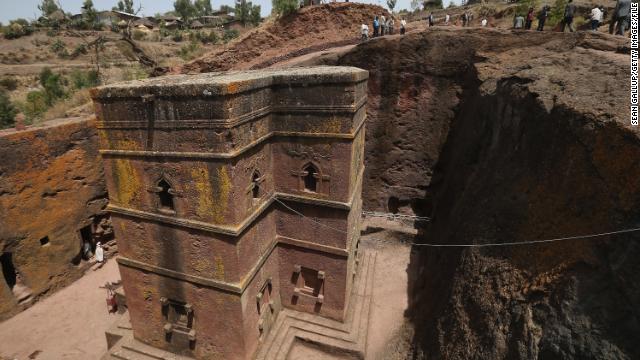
x=187 y=50
x=81 y=49
x=138 y=34
x=52 y=32
x=58 y=46
x=557 y=12
x=7 y=110
x=84 y=79
x=52 y=84
x=285 y=7
x=17 y=28
x=177 y=36
x=134 y=73
x=35 y=105
x=9 y=82
x=230 y=35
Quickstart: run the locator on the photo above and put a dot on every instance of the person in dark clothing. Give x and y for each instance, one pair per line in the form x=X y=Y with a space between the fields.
x=376 y=27
x=430 y=19
x=620 y=18
x=542 y=17
x=529 y=20
x=569 y=11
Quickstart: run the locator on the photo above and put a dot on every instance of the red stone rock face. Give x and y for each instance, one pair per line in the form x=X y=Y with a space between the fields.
x=51 y=187
x=208 y=178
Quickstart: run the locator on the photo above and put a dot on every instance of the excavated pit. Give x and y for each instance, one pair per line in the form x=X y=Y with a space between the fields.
x=508 y=137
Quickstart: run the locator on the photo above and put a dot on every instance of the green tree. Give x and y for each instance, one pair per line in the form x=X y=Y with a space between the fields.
x=47 y=7
x=185 y=9
x=391 y=4
x=203 y=7
x=284 y=7
x=255 y=15
x=125 y=6
x=226 y=8
x=415 y=5
x=243 y=11
x=557 y=12
x=7 y=110
x=89 y=13
x=52 y=84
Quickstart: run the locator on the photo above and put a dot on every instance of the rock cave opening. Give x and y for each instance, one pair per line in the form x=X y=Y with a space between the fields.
x=8 y=269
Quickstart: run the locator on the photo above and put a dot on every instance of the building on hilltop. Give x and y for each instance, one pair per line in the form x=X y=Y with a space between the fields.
x=234 y=197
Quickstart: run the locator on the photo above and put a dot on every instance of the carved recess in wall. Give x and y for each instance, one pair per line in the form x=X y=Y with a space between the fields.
x=301 y=151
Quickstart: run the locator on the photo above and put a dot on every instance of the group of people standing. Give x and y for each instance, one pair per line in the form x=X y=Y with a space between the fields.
x=619 y=20
x=382 y=26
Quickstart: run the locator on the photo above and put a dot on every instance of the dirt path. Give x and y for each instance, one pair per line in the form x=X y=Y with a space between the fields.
x=67 y=325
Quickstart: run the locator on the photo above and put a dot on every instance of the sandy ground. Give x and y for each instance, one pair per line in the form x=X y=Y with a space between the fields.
x=70 y=324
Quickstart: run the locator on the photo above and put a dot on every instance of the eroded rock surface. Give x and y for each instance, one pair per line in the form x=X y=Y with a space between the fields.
x=511 y=137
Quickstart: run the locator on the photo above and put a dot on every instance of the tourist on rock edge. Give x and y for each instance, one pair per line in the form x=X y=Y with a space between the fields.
x=364 y=29
x=383 y=25
x=446 y=19
x=542 y=17
x=430 y=19
x=518 y=22
x=390 y=24
x=527 y=24
x=484 y=22
x=376 y=27
x=403 y=26
x=620 y=18
x=569 y=12
x=596 y=18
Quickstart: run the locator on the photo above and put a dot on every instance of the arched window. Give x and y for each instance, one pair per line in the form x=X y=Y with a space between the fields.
x=310 y=174
x=255 y=180
x=165 y=195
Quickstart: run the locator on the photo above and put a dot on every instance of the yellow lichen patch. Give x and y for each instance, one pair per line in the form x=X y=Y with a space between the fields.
x=127 y=144
x=331 y=125
x=224 y=189
x=202 y=184
x=200 y=265
x=213 y=194
x=126 y=181
x=219 y=270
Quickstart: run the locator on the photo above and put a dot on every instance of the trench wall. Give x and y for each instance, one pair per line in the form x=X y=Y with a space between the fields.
x=51 y=186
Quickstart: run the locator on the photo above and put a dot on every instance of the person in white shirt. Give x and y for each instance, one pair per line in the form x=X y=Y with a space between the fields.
x=383 y=25
x=446 y=19
x=403 y=26
x=596 y=18
x=484 y=22
x=364 y=29
x=99 y=252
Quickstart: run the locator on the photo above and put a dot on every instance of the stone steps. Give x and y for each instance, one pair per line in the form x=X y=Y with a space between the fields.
x=347 y=338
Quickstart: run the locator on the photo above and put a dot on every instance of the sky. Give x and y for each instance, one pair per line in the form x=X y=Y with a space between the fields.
x=28 y=9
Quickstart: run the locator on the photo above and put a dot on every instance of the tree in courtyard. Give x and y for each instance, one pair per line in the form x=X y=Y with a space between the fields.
x=391 y=4
x=47 y=7
x=125 y=6
x=255 y=15
x=284 y=7
x=242 y=11
x=203 y=7
x=89 y=14
x=185 y=9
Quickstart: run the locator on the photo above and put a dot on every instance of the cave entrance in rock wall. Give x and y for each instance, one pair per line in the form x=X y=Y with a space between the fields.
x=8 y=269
x=393 y=205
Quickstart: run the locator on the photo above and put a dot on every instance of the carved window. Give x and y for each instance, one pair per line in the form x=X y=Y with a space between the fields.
x=311 y=282
x=255 y=181
x=165 y=195
x=310 y=176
